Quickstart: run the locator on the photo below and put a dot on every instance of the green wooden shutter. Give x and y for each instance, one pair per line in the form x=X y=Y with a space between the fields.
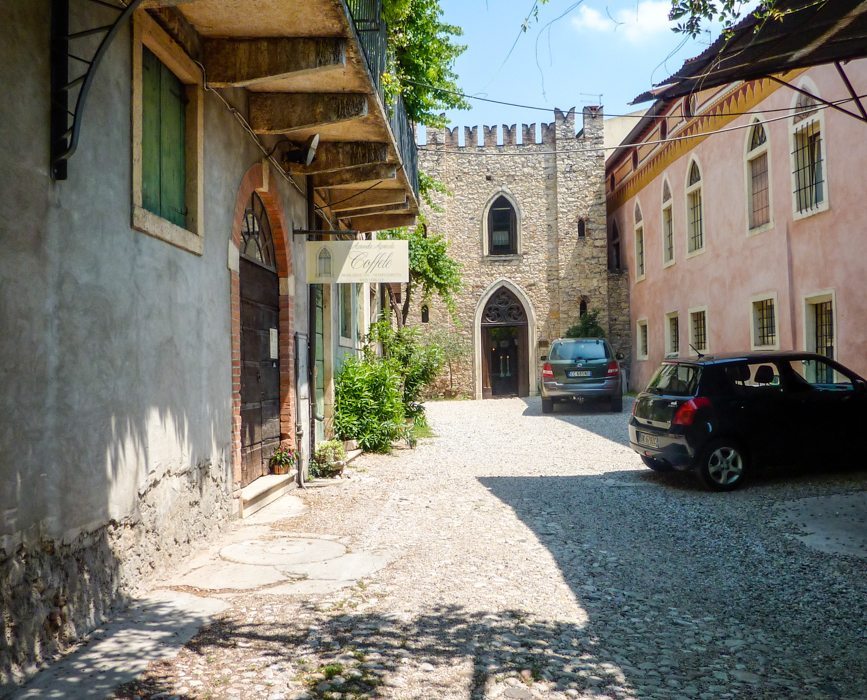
x=172 y=151
x=150 y=147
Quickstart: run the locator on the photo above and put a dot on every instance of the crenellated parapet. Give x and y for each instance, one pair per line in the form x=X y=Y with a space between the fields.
x=562 y=129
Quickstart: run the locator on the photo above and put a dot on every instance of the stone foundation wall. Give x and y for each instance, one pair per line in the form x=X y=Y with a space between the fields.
x=53 y=593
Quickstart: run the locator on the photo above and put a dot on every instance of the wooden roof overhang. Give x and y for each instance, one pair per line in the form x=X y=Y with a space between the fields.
x=810 y=33
x=308 y=67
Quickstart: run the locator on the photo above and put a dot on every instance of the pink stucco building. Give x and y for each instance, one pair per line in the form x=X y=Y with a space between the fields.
x=752 y=234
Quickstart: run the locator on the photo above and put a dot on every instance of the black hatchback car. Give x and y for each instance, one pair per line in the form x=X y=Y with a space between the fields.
x=723 y=415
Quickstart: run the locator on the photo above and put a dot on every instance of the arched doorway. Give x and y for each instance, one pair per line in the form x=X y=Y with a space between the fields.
x=504 y=346
x=260 y=356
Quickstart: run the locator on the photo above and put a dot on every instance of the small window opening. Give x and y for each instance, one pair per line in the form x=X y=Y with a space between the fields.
x=425 y=314
x=582 y=308
x=582 y=229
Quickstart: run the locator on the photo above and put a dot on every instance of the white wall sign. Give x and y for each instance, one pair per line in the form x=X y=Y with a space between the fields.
x=275 y=344
x=357 y=261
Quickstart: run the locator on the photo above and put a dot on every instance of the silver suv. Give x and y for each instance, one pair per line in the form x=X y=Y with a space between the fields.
x=581 y=368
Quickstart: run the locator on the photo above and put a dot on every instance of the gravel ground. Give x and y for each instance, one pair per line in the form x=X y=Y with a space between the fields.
x=540 y=559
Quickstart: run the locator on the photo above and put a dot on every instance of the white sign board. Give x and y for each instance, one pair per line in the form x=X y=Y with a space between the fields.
x=357 y=261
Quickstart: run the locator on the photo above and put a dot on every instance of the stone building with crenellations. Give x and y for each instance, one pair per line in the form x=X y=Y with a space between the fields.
x=528 y=222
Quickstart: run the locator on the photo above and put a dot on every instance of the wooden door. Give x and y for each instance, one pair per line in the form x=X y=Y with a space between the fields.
x=260 y=369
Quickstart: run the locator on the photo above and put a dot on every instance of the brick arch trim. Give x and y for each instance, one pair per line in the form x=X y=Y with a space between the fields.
x=254 y=181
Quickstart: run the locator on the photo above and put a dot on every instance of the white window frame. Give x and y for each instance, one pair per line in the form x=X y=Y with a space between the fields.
x=817 y=118
x=146 y=32
x=638 y=231
x=667 y=204
x=750 y=156
x=641 y=353
x=688 y=191
x=691 y=335
x=754 y=321
x=519 y=249
x=809 y=301
x=669 y=351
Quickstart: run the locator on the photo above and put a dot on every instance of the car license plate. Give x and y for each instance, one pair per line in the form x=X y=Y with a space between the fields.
x=579 y=373
x=648 y=440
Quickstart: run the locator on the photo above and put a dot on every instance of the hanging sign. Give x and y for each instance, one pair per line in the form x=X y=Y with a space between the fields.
x=357 y=261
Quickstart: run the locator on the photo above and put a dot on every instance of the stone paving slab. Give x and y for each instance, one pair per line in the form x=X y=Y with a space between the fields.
x=155 y=627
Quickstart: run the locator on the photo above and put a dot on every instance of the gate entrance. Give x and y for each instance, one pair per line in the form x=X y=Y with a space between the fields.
x=504 y=347
x=260 y=361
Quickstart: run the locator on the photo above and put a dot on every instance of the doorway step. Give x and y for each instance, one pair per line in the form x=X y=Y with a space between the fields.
x=264 y=490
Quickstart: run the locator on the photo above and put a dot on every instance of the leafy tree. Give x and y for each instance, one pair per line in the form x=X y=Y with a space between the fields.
x=454 y=346
x=431 y=270
x=422 y=54
x=695 y=13
x=587 y=327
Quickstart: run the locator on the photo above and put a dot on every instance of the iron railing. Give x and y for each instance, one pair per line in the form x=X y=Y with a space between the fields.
x=372 y=34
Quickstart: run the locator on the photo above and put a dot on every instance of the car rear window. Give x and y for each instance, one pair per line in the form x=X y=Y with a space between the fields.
x=589 y=350
x=674 y=380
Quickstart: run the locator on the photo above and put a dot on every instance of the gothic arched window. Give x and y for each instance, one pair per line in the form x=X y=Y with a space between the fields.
x=425 y=314
x=502 y=228
x=582 y=228
x=257 y=243
x=323 y=267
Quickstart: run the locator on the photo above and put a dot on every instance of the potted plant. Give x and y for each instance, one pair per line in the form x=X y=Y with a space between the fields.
x=282 y=460
x=328 y=460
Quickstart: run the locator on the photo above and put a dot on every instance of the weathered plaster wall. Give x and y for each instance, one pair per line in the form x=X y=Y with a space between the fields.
x=115 y=358
x=793 y=258
x=554 y=181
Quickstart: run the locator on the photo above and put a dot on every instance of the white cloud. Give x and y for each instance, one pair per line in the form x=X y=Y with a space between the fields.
x=649 y=19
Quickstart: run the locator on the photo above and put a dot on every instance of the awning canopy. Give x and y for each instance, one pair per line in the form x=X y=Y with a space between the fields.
x=810 y=33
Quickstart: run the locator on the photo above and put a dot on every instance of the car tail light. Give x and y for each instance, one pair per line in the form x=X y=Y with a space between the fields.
x=686 y=413
x=547 y=371
x=613 y=369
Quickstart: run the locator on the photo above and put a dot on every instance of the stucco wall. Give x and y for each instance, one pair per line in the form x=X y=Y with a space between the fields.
x=554 y=181
x=115 y=356
x=792 y=259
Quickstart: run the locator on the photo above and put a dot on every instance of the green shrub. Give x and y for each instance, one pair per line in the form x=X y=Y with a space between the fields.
x=587 y=327
x=368 y=403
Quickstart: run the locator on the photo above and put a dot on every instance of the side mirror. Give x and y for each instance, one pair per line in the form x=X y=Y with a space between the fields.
x=860 y=386
x=544 y=358
x=619 y=355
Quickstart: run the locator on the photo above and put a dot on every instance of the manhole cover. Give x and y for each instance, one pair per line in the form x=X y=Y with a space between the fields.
x=282 y=552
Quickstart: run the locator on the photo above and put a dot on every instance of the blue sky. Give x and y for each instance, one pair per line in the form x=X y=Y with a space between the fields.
x=562 y=62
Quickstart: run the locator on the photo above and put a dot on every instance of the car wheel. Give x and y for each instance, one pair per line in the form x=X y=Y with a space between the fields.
x=656 y=465
x=547 y=405
x=722 y=465
x=617 y=403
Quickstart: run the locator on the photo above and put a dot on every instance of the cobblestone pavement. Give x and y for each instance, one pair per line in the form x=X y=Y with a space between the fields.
x=540 y=559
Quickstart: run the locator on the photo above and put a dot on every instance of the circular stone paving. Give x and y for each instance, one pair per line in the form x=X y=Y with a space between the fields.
x=285 y=551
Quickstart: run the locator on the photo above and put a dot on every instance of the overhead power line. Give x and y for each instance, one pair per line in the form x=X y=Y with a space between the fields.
x=595 y=149
x=634 y=115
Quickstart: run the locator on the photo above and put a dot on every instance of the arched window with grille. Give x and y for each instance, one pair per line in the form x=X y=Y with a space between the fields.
x=809 y=188
x=323 y=263
x=639 y=244
x=667 y=224
x=257 y=242
x=758 y=179
x=694 y=211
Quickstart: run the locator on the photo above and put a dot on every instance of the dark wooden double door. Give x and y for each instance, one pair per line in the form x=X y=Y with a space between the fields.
x=504 y=361
x=260 y=369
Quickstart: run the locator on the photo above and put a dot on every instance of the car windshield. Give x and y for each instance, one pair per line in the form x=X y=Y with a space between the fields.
x=674 y=380
x=584 y=350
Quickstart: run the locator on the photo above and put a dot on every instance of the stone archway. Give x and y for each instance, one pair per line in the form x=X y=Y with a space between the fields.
x=257 y=182
x=504 y=342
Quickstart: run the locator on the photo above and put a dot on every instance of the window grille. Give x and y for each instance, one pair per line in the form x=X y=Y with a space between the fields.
x=757 y=137
x=696 y=232
x=668 y=233
x=666 y=191
x=694 y=209
x=809 y=182
x=825 y=329
x=674 y=334
x=699 y=330
x=760 y=200
x=637 y=214
x=639 y=251
x=766 y=323
x=257 y=242
x=642 y=329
